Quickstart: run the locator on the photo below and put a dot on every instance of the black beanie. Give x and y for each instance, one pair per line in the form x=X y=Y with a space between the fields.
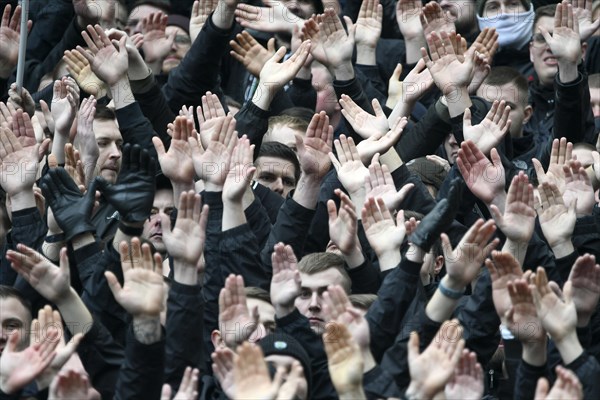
x=286 y=345
x=179 y=21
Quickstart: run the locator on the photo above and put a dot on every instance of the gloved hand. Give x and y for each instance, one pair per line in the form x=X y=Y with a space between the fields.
x=133 y=194
x=442 y=215
x=72 y=210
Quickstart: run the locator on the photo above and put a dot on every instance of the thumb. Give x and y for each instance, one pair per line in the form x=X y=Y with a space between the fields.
x=467 y=118
x=159 y=146
x=496 y=160
x=113 y=284
x=166 y=392
x=541 y=389
x=446 y=246
x=413 y=347
x=377 y=108
x=497 y=215
x=271 y=45
x=568 y=292
x=64 y=262
x=100 y=184
x=123 y=44
x=397 y=72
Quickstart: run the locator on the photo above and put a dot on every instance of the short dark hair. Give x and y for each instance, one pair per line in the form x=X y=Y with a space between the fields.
x=303 y=113
x=257 y=294
x=7 y=292
x=293 y=122
x=544 y=11
x=280 y=150
x=502 y=75
x=318 y=262
x=105 y=113
x=362 y=301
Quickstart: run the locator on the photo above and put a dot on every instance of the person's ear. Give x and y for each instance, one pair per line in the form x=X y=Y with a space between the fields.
x=528 y=112
x=216 y=339
x=439 y=264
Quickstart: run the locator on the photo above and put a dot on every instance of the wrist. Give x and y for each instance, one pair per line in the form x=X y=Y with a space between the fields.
x=22 y=200
x=121 y=92
x=354 y=257
x=264 y=94
x=344 y=71
x=82 y=240
x=146 y=328
x=567 y=72
x=417 y=390
x=281 y=310
x=568 y=346
x=562 y=248
x=213 y=187
x=389 y=259
x=453 y=284
x=185 y=273
x=534 y=352
x=69 y=297
x=457 y=99
x=365 y=54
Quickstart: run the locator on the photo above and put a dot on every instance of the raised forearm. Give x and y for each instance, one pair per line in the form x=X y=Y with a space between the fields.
x=307 y=191
x=147 y=329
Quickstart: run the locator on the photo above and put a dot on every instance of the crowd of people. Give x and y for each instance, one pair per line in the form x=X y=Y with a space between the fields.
x=300 y=199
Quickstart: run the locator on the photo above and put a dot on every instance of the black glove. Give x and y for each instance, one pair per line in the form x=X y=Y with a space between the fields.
x=72 y=210
x=438 y=219
x=133 y=194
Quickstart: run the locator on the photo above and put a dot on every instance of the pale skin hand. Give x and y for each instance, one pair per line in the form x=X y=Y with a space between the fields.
x=188 y=389
x=209 y=115
x=504 y=269
x=223 y=359
x=338 y=45
x=252 y=380
x=276 y=17
x=69 y=385
x=343 y=226
x=433 y=19
x=65 y=102
x=201 y=10
x=285 y=284
x=107 y=62
x=176 y=163
x=485 y=179
x=240 y=174
x=556 y=219
x=143 y=290
x=368 y=31
x=10 y=34
x=566 y=386
x=489 y=132
x=384 y=235
x=518 y=220
x=314 y=148
x=582 y=11
x=522 y=319
x=86 y=138
x=578 y=187
x=251 y=54
x=339 y=310
x=234 y=315
x=185 y=242
x=560 y=155
x=19 y=368
x=585 y=279
x=345 y=362
x=414 y=86
x=368 y=148
x=350 y=170
x=157 y=44
x=565 y=42
x=432 y=369
x=381 y=184
x=364 y=123
x=79 y=68
x=19 y=165
x=467 y=382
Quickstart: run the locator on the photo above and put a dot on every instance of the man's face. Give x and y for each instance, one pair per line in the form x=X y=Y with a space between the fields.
x=301 y=8
x=266 y=317
x=15 y=319
x=276 y=173
x=137 y=15
x=163 y=205
x=520 y=111
x=544 y=62
x=310 y=301
x=110 y=141
x=595 y=101
x=280 y=360
x=283 y=134
x=494 y=8
x=584 y=156
x=463 y=13
x=451 y=146
x=180 y=48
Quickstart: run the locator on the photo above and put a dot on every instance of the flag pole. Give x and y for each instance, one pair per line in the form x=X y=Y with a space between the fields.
x=22 y=44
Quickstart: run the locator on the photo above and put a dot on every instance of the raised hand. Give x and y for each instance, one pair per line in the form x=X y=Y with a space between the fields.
x=107 y=62
x=337 y=44
x=566 y=386
x=464 y=262
x=432 y=369
x=385 y=236
x=252 y=380
x=368 y=31
x=555 y=309
x=414 y=86
x=133 y=193
x=585 y=279
x=10 y=35
x=86 y=138
x=71 y=209
x=438 y=219
x=578 y=187
x=339 y=311
x=276 y=17
x=18 y=163
x=65 y=103
x=79 y=68
x=157 y=44
x=486 y=43
x=70 y=385
x=285 y=283
x=236 y=321
x=185 y=242
x=176 y=163
x=345 y=361
x=504 y=269
x=517 y=221
x=314 y=148
x=369 y=147
x=19 y=368
x=467 y=381
x=251 y=54
x=350 y=170
x=582 y=12
x=408 y=16
x=52 y=282
x=209 y=117
x=363 y=123
x=188 y=389
x=48 y=318
x=212 y=165
x=201 y=11
x=556 y=219
x=241 y=171
x=143 y=291
x=21 y=100
x=93 y=11
x=433 y=19
x=381 y=184
x=560 y=155
x=489 y=132
x=343 y=227
x=564 y=42
x=484 y=179
x=294 y=385
x=522 y=319
x=223 y=359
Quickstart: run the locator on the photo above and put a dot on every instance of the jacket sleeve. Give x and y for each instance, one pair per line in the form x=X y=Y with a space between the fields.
x=526 y=380
x=199 y=70
x=44 y=35
x=185 y=309
x=302 y=93
x=253 y=122
x=587 y=370
x=135 y=127
x=240 y=256
x=393 y=300
x=142 y=373
x=258 y=221
x=297 y=325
